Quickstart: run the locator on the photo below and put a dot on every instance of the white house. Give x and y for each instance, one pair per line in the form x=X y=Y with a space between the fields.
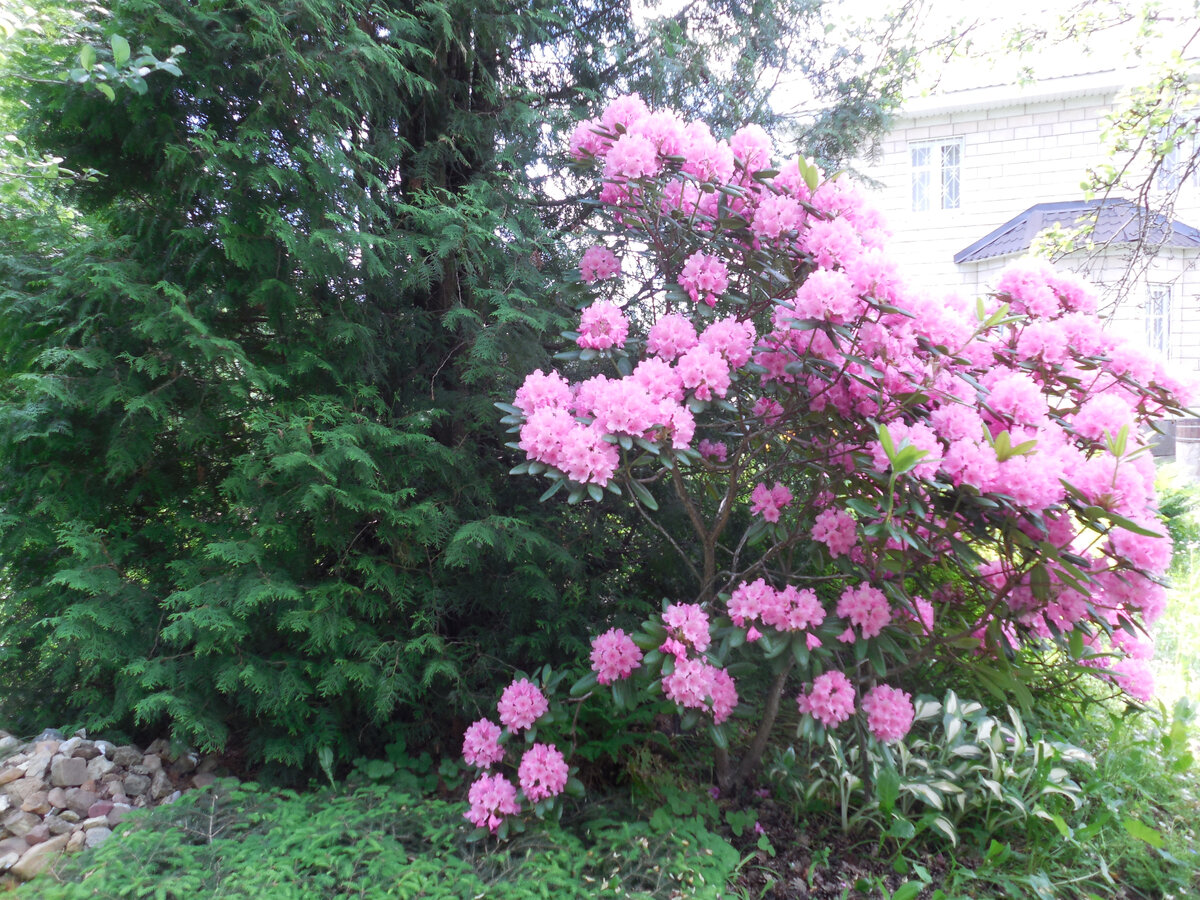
x=969 y=178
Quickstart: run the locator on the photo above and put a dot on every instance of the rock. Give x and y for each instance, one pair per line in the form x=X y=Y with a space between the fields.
x=98 y=767
x=66 y=771
x=107 y=748
x=23 y=787
x=39 y=858
x=184 y=764
x=5 y=803
x=159 y=746
x=160 y=785
x=11 y=849
x=89 y=824
x=81 y=733
x=86 y=750
x=77 y=841
x=57 y=798
x=139 y=769
x=172 y=797
x=36 y=765
x=36 y=803
x=136 y=785
x=118 y=813
x=69 y=815
x=9 y=775
x=57 y=825
x=100 y=808
x=50 y=734
x=79 y=800
x=8 y=744
x=209 y=765
x=203 y=779
x=90 y=786
x=37 y=835
x=127 y=756
x=95 y=836
x=67 y=747
x=152 y=762
x=51 y=747
x=22 y=823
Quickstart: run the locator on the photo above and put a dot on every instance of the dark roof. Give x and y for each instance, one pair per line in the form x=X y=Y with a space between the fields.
x=1113 y=221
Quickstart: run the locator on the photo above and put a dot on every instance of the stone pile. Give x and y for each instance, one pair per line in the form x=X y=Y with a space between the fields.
x=59 y=795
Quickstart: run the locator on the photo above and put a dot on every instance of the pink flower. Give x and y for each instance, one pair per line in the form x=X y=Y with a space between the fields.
x=767 y=502
x=830 y=700
x=866 y=607
x=601 y=326
x=704 y=372
x=732 y=339
x=481 y=744
x=889 y=712
x=688 y=622
x=704 y=277
x=491 y=797
x=724 y=695
x=522 y=704
x=671 y=336
x=713 y=450
x=690 y=684
x=614 y=656
x=837 y=530
x=598 y=263
x=542 y=390
x=543 y=772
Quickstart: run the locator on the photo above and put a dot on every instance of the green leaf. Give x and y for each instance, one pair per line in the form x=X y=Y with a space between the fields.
x=644 y=496
x=107 y=91
x=908 y=891
x=584 y=684
x=120 y=49
x=87 y=58
x=1143 y=832
x=887 y=789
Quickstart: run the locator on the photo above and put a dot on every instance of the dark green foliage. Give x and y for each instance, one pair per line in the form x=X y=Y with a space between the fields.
x=253 y=487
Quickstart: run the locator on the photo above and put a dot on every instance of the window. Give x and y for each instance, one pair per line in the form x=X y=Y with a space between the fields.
x=1177 y=165
x=936 y=175
x=1158 y=318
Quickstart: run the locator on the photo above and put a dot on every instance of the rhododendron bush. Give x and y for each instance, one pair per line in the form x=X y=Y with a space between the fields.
x=873 y=478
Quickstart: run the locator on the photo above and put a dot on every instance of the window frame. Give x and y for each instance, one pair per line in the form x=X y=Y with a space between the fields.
x=936 y=178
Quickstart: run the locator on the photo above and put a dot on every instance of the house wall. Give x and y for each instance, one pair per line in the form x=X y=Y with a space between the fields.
x=1019 y=149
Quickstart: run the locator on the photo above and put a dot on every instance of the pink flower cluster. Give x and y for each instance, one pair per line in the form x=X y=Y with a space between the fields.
x=889 y=712
x=830 y=699
x=704 y=277
x=837 y=530
x=866 y=607
x=601 y=326
x=614 y=656
x=687 y=628
x=597 y=264
x=697 y=684
x=522 y=704
x=491 y=798
x=768 y=501
x=789 y=609
x=543 y=772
